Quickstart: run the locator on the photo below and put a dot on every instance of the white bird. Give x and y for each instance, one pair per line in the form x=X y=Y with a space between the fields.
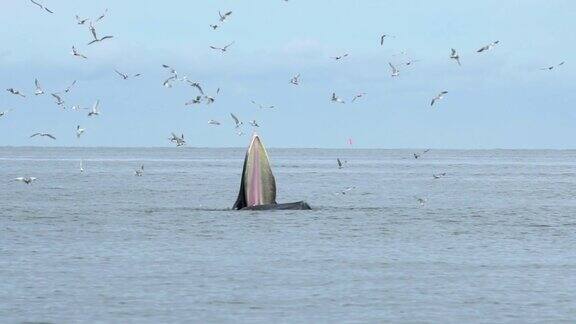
x=339 y=57
x=553 y=66
x=358 y=96
x=95 y=111
x=224 y=16
x=254 y=123
x=81 y=21
x=295 y=79
x=43 y=135
x=81 y=165
x=194 y=101
x=196 y=85
x=79 y=131
x=410 y=62
x=487 y=47
x=261 y=106
x=16 y=92
x=213 y=122
x=438 y=97
x=126 y=76
x=210 y=99
x=214 y=27
x=222 y=49
x=96 y=39
x=26 y=180
x=2 y=113
x=139 y=172
x=421 y=201
x=41 y=6
x=39 y=90
x=77 y=54
x=439 y=175
x=178 y=140
x=101 y=16
x=239 y=133
x=340 y=164
x=454 y=55
x=343 y=192
x=395 y=71
x=59 y=100
x=236 y=120
x=336 y=99
x=70 y=87
x=418 y=155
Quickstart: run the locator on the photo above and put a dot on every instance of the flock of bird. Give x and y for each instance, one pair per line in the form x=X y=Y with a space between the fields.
x=204 y=97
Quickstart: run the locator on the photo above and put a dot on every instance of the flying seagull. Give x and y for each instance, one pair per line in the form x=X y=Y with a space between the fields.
x=358 y=96
x=339 y=57
x=553 y=66
x=26 y=180
x=2 y=113
x=101 y=16
x=41 y=6
x=16 y=92
x=95 y=111
x=382 y=39
x=254 y=123
x=196 y=85
x=439 y=175
x=487 y=47
x=214 y=27
x=336 y=99
x=224 y=16
x=395 y=71
x=410 y=62
x=295 y=79
x=438 y=97
x=210 y=99
x=236 y=120
x=126 y=76
x=81 y=21
x=70 y=87
x=59 y=100
x=139 y=172
x=222 y=49
x=39 y=90
x=77 y=54
x=340 y=165
x=43 y=135
x=261 y=106
x=96 y=39
x=194 y=101
x=343 y=192
x=213 y=122
x=168 y=82
x=79 y=131
x=455 y=56
x=178 y=140
x=418 y=155
x=421 y=201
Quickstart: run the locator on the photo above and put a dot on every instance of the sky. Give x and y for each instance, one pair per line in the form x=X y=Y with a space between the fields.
x=497 y=99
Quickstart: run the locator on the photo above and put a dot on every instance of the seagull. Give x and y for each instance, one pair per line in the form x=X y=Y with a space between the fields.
x=76 y=53
x=487 y=47
x=553 y=66
x=178 y=140
x=79 y=131
x=214 y=27
x=338 y=58
x=239 y=133
x=95 y=111
x=70 y=87
x=77 y=107
x=59 y=100
x=194 y=101
x=382 y=39
x=336 y=99
x=39 y=90
x=81 y=165
x=236 y=120
x=167 y=83
x=96 y=39
x=254 y=123
x=418 y=155
x=410 y=62
x=395 y=71
x=340 y=165
x=455 y=56
x=343 y=192
x=439 y=175
x=210 y=99
x=16 y=92
x=41 y=6
x=222 y=49
x=43 y=135
x=421 y=201
x=81 y=21
x=139 y=172
x=224 y=16
x=213 y=122
x=26 y=180
x=295 y=79
x=438 y=97
x=360 y=95
x=196 y=85
x=102 y=16
x=2 y=113
x=261 y=106
x=125 y=76
x=172 y=71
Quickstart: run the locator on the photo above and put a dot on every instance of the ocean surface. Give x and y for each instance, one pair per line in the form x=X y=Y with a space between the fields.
x=495 y=242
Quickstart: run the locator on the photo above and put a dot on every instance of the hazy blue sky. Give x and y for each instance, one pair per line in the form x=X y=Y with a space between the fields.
x=498 y=99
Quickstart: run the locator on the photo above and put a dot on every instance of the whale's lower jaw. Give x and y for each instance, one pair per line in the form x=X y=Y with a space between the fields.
x=299 y=205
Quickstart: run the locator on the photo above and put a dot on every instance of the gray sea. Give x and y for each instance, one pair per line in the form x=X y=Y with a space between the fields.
x=495 y=242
